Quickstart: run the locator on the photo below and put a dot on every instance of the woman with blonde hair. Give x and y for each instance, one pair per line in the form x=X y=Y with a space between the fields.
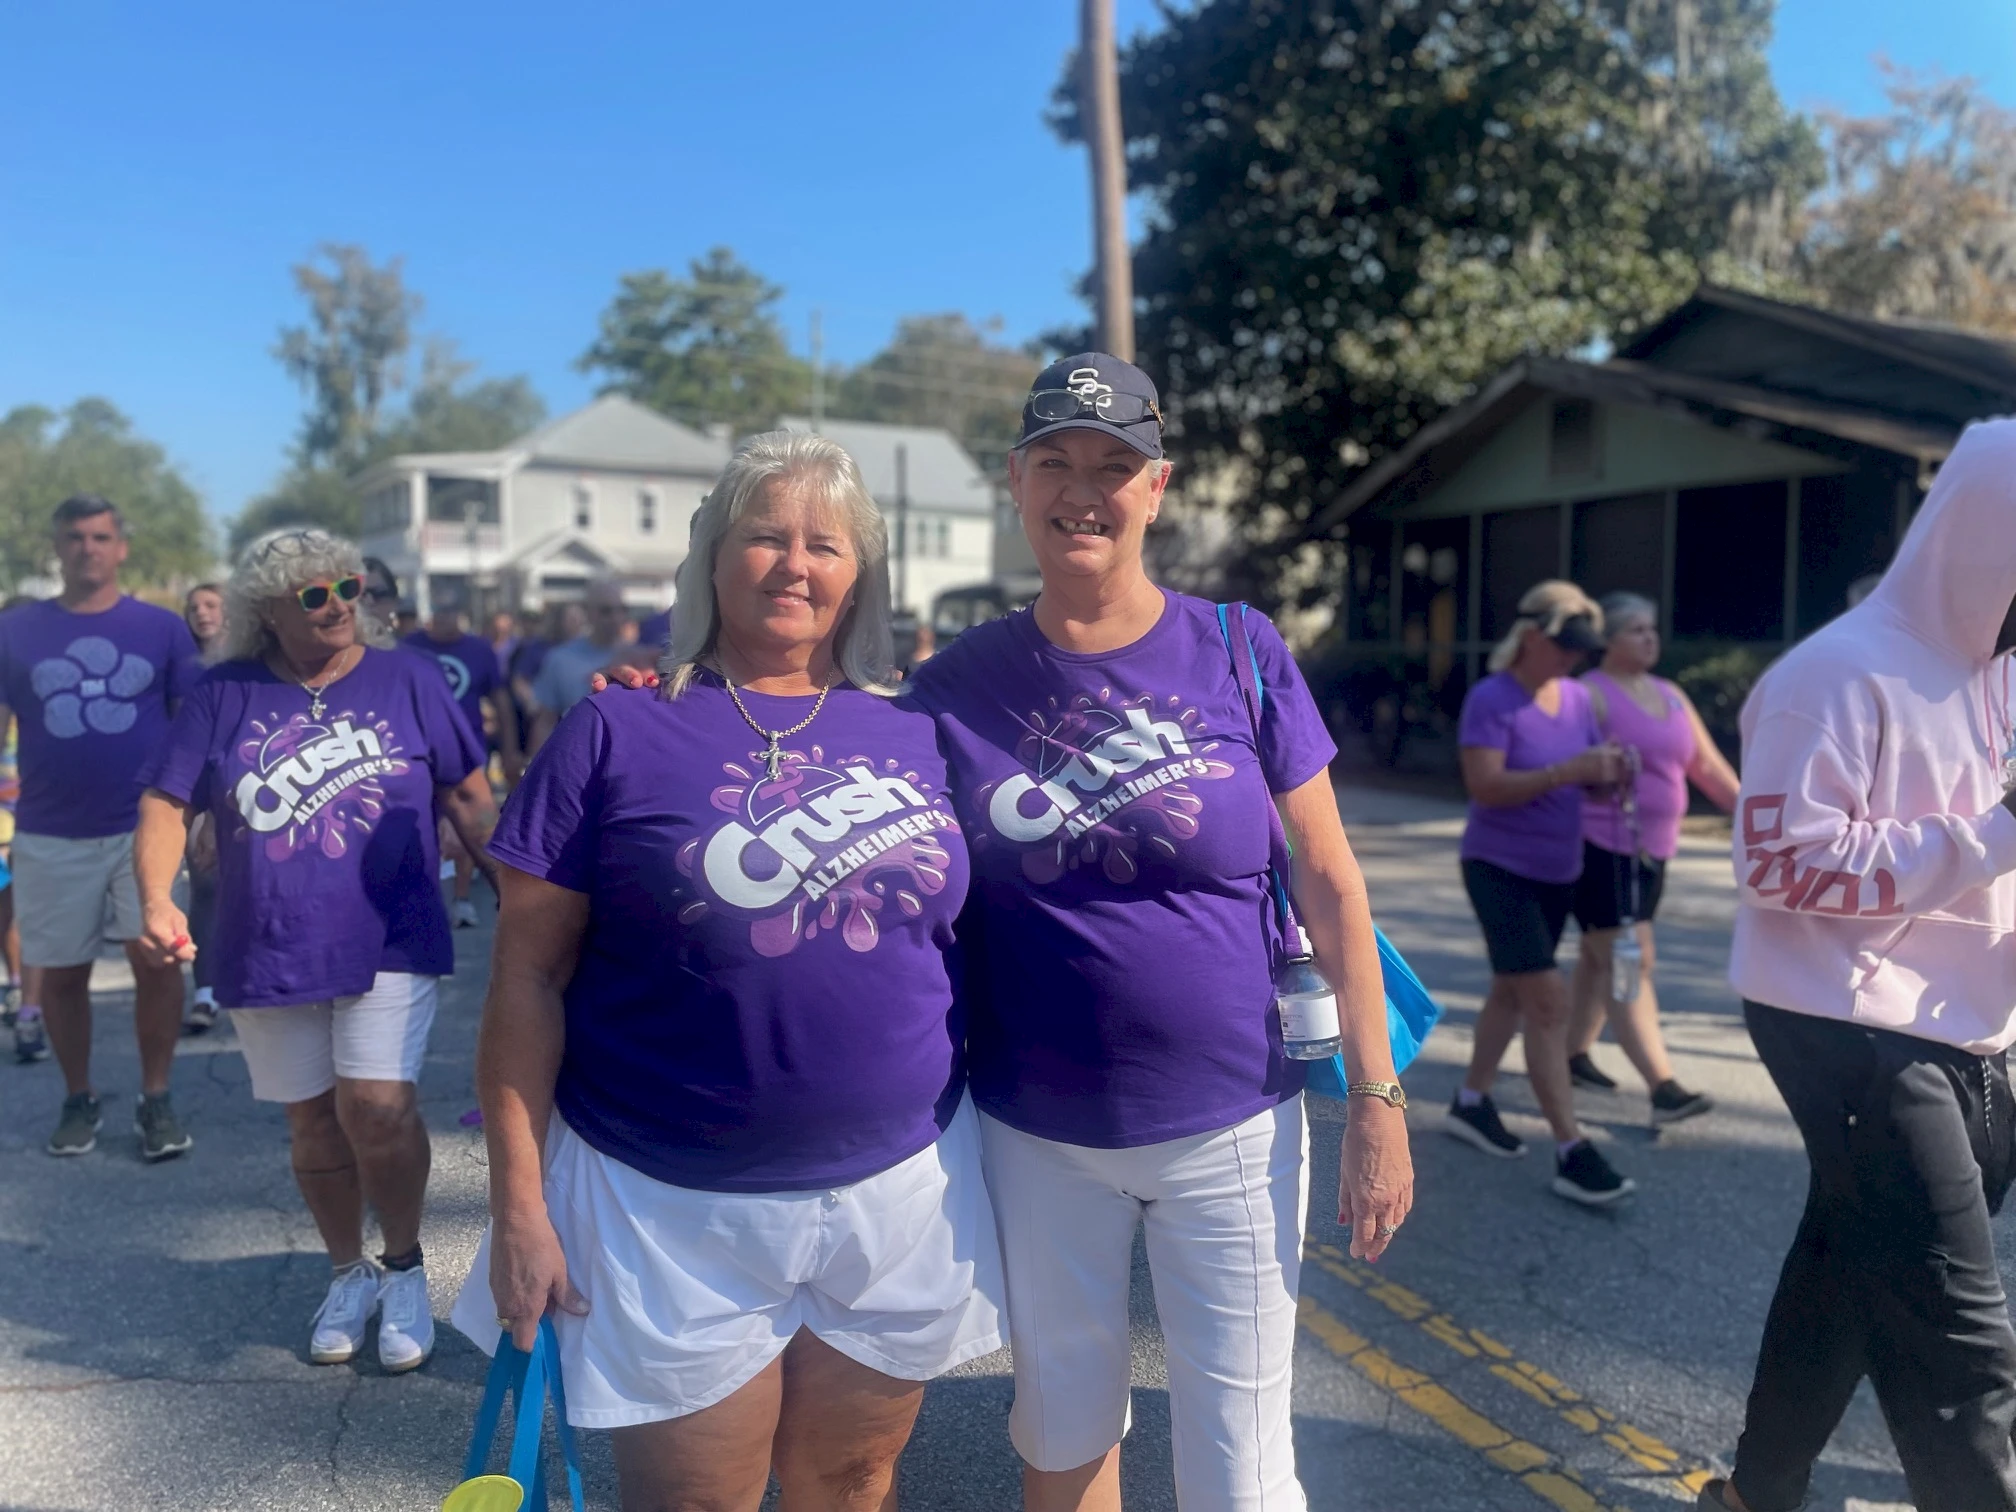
x=321 y=757
x=1529 y=746
x=722 y=1061
x=1627 y=839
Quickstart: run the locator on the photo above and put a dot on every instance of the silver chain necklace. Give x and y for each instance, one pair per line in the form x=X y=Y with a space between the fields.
x=773 y=755
x=315 y=690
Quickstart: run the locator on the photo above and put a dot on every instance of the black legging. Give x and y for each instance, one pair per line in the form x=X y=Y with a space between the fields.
x=1892 y=1274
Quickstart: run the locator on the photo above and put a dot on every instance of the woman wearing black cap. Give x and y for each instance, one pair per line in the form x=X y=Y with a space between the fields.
x=1530 y=744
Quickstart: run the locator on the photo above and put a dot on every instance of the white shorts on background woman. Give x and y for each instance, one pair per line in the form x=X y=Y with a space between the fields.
x=1224 y=1218
x=692 y=1293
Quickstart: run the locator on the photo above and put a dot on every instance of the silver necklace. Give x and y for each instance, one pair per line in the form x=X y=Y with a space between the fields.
x=315 y=690
x=773 y=755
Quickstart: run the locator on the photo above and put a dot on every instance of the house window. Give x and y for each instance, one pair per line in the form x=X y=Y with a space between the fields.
x=647 y=512
x=584 y=507
x=1574 y=443
x=1620 y=544
x=1521 y=547
x=945 y=538
x=1729 y=563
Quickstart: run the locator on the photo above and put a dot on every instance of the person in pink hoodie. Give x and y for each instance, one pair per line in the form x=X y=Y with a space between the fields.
x=1875 y=949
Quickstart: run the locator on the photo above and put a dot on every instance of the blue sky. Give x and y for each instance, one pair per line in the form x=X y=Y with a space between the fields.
x=161 y=166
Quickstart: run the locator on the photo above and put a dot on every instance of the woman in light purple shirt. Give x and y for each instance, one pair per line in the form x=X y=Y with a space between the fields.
x=1529 y=746
x=1625 y=848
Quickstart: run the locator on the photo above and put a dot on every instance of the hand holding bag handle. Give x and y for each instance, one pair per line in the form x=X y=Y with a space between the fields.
x=529 y=1377
x=1410 y=1012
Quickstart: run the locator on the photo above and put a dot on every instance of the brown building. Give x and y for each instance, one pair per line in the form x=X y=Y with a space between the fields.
x=1742 y=462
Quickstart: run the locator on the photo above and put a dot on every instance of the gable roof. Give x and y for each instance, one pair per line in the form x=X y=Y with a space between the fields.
x=1975 y=372
x=1434 y=453
x=940 y=474
x=615 y=431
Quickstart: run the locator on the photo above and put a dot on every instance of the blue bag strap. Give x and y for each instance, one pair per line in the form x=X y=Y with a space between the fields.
x=507 y=1373
x=529 y=1378
x=528 y=1466
x=1253 y=693
x=568 y=1457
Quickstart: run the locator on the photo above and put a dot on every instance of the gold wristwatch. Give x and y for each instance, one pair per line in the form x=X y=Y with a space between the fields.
x=1386 y=1092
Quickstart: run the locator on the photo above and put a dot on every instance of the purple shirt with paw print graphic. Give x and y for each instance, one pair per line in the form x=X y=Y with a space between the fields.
x=92 y=695
x=765 y=999
x=1117 y=806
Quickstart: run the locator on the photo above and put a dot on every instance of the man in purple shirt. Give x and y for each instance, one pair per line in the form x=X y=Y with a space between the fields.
x=470 y=665
x=93 y=676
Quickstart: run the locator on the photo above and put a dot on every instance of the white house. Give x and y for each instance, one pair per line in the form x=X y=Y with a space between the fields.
x=608 y=490
x=939 y=505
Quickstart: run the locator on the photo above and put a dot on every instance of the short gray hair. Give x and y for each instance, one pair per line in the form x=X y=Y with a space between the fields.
x=865 y=650
x=1624 y=605
x=274 y=566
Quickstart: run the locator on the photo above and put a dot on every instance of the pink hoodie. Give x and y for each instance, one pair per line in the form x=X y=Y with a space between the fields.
x=1873 y=856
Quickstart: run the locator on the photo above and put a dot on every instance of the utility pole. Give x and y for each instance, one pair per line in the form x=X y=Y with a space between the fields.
x=818 y=376
x=1099 y=116
x=902 y=527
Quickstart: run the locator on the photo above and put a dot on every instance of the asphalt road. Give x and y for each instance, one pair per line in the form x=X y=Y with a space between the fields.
x=1510 y=1352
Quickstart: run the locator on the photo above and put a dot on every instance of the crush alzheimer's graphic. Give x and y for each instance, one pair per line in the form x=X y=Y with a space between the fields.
x=829 y=845
x=1106 y=780
x=313 y=784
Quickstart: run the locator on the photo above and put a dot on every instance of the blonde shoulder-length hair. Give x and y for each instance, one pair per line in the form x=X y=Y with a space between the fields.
x=1545 y=607
x=274 y=566
x=864 y=648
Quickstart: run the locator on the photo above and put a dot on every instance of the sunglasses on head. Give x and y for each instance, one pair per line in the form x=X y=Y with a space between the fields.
x=1066 y=404
x=316 y=595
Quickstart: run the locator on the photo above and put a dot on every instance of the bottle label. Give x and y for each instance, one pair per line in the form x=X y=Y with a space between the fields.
x=1308 y=1017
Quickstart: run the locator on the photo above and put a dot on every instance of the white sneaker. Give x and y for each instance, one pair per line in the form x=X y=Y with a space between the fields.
x=465 y=913
x=405 y=1321
x=344 y=1314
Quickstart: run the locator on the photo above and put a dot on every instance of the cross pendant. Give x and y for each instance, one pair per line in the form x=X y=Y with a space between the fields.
x=774 y=757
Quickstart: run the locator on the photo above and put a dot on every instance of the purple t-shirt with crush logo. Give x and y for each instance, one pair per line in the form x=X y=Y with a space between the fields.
x=327 y=858
x=470 y=665
x=1117 y=806
x=91 y=693
x=1542 y=839
x=765 y=998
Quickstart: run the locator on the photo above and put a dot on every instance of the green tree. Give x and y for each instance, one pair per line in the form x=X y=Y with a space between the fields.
x=350 y=356
x=703 y=349
x=92 y=448
x=1918 y=219
x=943 y=370
x=1360 y=210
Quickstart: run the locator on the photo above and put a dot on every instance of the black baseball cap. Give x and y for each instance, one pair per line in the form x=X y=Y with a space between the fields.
x=1578 y=632
x=1094 y=391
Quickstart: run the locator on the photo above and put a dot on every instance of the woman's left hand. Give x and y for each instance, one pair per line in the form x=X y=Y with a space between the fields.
x=1375 y=1179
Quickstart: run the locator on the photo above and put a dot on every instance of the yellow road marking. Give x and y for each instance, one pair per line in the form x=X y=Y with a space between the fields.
x=1641 y=1448
x=1533 y=1467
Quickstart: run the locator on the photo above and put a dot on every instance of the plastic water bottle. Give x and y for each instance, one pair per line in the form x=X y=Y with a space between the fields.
x=1307 y=1003
x=1627 y=965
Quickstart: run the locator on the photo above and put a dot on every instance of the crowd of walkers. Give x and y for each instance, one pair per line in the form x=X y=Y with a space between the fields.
x=846 y=1020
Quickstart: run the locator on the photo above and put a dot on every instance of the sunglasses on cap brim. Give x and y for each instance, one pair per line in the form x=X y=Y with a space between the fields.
x=1115 y=409
x=316 y=595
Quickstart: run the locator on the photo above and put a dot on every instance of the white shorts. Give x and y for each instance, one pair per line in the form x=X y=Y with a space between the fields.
x=1224 y=1219
x=74 y=895
x=381 y=1035
x=691 y=1294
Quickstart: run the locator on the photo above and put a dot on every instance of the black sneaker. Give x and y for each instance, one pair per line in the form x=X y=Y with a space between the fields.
x=1584 y=1176
x=1584 y=1072
x=1478 y=1126
x=161 y=1133
x=31 y=1041
x=77 y=1130
x=1673 y=1103
x=202 y=1018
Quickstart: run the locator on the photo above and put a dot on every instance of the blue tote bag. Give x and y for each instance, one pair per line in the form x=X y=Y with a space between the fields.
x=1410 y=1012
x=529 y=1377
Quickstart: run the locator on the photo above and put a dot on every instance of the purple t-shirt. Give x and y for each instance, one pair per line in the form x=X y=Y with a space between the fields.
x=1541 y=839
x=91 y=693
x=1118 y=812
x=328 y=863
x=765 y=996
x=470 y=665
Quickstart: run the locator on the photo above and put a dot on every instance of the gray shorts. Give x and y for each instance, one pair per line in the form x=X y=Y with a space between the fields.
x=71 y=896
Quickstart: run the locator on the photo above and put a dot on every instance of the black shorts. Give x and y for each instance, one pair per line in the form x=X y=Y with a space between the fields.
x=1604 y=891
x=1522 y=919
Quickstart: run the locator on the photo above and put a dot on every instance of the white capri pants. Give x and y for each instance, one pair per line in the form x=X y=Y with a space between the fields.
x=692 y=1293
x=1224 y=1219
x=295 y=1054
